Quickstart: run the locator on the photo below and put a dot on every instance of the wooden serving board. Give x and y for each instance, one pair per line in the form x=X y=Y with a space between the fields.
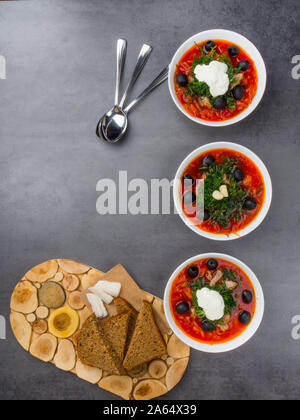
x=26 y=315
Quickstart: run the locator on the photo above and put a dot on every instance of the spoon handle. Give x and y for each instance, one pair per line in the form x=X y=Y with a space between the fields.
x=156 y=82
x=142 y=60
x=121 y=56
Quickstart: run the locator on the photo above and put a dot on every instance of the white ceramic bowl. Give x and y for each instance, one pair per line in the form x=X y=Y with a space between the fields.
x=265 y=174
x=246 y=334
x=235 y=38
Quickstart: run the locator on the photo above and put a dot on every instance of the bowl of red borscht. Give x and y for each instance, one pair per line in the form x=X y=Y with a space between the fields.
x=214 y=303
x=222 y=191
x=217 y=77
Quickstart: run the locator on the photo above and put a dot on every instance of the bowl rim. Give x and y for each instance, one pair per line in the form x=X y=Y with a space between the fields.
x=238 y=341
x=240 y=39
x=263 y=170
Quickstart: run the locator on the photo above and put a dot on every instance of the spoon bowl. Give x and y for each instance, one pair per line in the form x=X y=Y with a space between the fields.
x=113 y=125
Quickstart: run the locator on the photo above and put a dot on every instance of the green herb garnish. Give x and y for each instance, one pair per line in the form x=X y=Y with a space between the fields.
x=197 y=284
x=196 y=88
x=229 y=209
x=199 y=311
x=229 y=300
x=228 y=274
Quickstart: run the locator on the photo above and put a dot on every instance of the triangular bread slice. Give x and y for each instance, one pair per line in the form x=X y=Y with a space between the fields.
x=123 y=306
x=94 y=349
x=116 y=330
x=147 y=342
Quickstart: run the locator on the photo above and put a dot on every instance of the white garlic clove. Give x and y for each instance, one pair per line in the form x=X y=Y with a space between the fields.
x=111 y=288
x=97 y=305
x=217 y=195
x=224 y=190
x=102 y=295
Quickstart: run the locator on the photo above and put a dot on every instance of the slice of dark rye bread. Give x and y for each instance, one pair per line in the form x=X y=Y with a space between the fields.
x=123 y=306
x=94 y=349
x=147 y=342
x=116 y=330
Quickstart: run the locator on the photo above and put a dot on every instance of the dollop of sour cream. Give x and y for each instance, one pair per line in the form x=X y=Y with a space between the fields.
x=211 y=302
x=214 y=75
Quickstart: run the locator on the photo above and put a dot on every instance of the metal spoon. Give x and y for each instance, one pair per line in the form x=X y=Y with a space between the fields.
x=117 y=127
x=114 y=113
x=121 y=56
x=141 y=61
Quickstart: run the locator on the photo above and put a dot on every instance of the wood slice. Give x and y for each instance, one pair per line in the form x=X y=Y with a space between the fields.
x=156 y=377
x=43 y=271
x=91 y=278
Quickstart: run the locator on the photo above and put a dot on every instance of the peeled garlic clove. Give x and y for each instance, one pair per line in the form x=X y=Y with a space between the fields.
x=106 y=288
x=112 y=288
x=103 y=308
x=101 y=294
x=97 y=305
x=217 y=195
x=224 y=190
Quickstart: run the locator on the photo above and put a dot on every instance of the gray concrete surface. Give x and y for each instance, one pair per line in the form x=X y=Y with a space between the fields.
x=60 y=75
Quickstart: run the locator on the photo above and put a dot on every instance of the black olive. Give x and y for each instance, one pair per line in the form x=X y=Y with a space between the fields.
x=220 y=102
x=208 y=160
x=182 y=79
x=208 y=46
x=247 y=296
x=244 y=317
x=250 y=203
x=238 y=92
x=233 y=51
x=244 y=65
x=189 y=197
x=182 y=307
x=238 y=175
x=188 y=180
x=193 y=271
x=212 y=264
x=208 y=326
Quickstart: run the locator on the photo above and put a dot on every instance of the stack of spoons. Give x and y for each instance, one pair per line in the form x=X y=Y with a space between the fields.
x=113 y=125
